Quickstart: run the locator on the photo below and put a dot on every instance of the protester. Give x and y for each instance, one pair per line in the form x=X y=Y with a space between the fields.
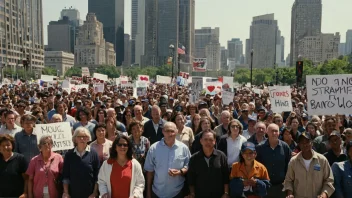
x=342 y=175
x=81 y=167
x=10 y=127
x=275 y=155
x=184 y=134
x=138 y=113
x=208 y=170
x=121 y=175
x=111 y=131
x=248 y=177
x=26 y=141
x=13 y=166
x=83 y=116
x=101 y=145
x=230 y=144
x=195 y=124
x=140 y=144
x=321 y=142
x=348 y=137
x=204 y=125
x=153 y=128
x=166 y=164
x=335 y=152
x=288 y=139
x=259 y=136
x=223 y=127
x=312 y=129
x=100 y=117
x=44 y=171
x=309 y=173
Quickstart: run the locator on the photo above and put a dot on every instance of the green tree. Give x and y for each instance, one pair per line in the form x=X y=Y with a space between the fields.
x=49 y=71
x=73 y=71
x=109 y=70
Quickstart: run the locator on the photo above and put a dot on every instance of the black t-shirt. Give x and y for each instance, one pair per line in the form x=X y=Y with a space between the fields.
x=11 y=180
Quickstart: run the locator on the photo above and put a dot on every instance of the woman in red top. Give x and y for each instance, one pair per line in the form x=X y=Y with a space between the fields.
x=128 y=180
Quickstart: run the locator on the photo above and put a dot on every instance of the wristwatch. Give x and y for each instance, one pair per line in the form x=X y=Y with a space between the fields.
x=227 y=193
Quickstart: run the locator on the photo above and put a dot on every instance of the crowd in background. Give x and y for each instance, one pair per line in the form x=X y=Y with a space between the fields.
x=162 y=145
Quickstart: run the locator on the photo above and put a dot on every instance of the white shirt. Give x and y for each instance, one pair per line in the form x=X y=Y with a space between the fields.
x=307 y=163
x=84 y=152
x=233 y=149
x=12 y=132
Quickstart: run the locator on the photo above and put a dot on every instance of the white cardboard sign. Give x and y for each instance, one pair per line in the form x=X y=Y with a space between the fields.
x=60 y=133
x=329 y=94
x=280 y=98
x=227 y=97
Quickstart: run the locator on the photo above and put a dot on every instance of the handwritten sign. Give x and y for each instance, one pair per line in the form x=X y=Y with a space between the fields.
x=85 y=71
x=99 y=88
x=329 y=94
x=227 y=97
x=100 y=76
x=60 y=133
x=141 y=88
x=280 y=98
x=163 y=79
x=213 y=88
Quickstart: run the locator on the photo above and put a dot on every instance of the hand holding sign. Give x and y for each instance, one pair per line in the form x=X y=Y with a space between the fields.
x=59 y=132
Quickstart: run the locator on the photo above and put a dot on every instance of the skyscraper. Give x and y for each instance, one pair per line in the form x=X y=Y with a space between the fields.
x=111 y=14
x=235 y=49
x=319 y=48
x=134 y=26
x=137 y=50
x=349 y=42
x=168 y=22
x=264 y=33
x=73 y=15
x=305 y=21
x=127 y=58
x=203 y=37
x=224 y=56
x=21 y=33
x=61 y=35
x=342 y=49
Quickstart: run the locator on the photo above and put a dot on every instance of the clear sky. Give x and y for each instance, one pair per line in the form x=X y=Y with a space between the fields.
x=232 y=16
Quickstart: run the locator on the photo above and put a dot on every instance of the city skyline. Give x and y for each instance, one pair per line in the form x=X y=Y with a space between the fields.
x=224 y=13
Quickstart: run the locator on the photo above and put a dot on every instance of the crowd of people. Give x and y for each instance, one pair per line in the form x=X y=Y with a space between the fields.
x=161 y=145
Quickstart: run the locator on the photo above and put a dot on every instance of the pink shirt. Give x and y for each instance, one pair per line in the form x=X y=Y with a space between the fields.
x=36 y=169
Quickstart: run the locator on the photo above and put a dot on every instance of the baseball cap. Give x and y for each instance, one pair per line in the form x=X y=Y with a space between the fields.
x=305 y=135
x=335 y=133
x=248 y=145
x=251 y=118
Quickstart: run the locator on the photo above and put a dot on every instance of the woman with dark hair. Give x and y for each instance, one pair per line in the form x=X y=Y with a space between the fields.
x=248 y=177
x=83 y=116
x=101 y=145
x=13 y=167
x=294 y=123
x=230 y=143
x=192 y=110
x=204 y=125
x=313 y=130
x=288 y=138
x=100 y=117
x=195 y=124
x=127 y=118
x=140 y=144
x=128 y=179
x=111 y=131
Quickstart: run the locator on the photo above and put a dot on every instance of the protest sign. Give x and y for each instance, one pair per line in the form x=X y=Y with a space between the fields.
x=100 y=76
x=79 y=87
x=227 y=97
x=329 y=94
x=227 y=83
x=141 y=87
x=213 y=88
x=128 y=84
x=117 y=81
x=180 y=81
x=47 y=77
x=143 y=78
x=60 y=133
x=85 y=71
x=98 y=88
x=163 y=79
x=280 y=98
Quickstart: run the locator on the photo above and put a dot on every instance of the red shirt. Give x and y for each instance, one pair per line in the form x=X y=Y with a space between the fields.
x=120 y=179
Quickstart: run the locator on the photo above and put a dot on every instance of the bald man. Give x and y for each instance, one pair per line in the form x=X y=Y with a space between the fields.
x=153 y=128
x=275 y=155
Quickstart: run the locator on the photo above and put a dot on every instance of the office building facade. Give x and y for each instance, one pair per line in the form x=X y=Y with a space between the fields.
x=235 y=49
x=111 y=14
x=61 y=35
x=59 y=60
x=306 y=19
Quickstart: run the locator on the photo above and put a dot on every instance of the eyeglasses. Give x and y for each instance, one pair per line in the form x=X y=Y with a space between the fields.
x=235 y=126
x=122 y=145
x=82 y=137
x=47 y=143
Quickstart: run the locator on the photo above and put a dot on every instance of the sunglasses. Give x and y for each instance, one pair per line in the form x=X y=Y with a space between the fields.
x=122 y=145
x=235 y=126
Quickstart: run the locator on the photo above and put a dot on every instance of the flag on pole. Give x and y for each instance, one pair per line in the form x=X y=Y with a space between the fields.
x=181 y=49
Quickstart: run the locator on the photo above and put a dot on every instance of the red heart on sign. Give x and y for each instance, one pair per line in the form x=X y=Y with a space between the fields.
x=211 y=88
x=142 y=78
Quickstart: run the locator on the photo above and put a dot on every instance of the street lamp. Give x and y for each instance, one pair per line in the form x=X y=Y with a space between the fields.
x=252 y=51
x=172 y=51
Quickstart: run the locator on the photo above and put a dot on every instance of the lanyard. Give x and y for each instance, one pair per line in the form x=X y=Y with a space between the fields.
x=47 y=168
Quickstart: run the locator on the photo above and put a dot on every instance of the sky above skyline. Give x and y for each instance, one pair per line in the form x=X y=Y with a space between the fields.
x=234 y=17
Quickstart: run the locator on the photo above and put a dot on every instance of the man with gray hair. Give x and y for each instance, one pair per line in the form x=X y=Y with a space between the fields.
x=166 y=164
x=110 y=112
x=152 y=129
x=138 y=114
x=223 y=127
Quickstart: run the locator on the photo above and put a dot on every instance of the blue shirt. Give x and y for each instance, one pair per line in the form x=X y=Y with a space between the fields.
x=275 y=160
x=160 y=159
x=26 y=145
x=51 y=113
x=342 y=179
x=90 y=126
